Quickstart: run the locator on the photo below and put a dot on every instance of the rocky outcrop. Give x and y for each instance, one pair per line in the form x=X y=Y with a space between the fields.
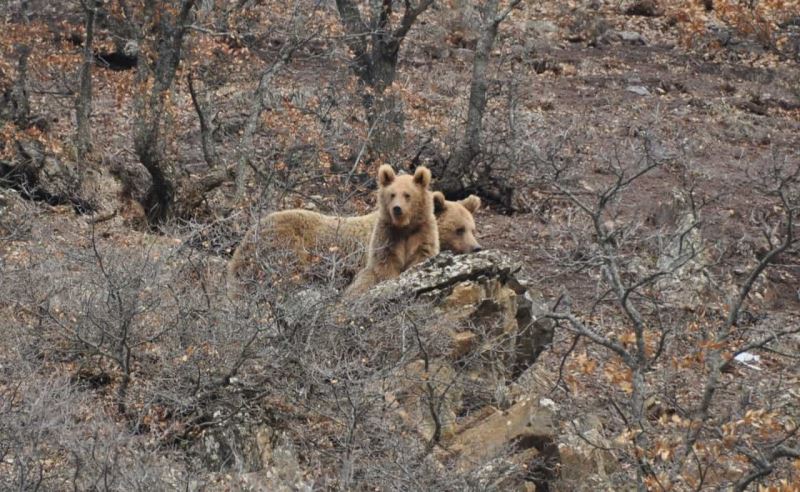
x=527 y=426
x=478 y=295
x=496 y=332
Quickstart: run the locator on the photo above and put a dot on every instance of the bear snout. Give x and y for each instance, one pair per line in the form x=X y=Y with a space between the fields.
x=477 y=248
x=397 y=210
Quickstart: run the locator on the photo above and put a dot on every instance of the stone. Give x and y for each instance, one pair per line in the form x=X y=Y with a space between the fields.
x=438 y=276
x=684 y=254
x=632 y=37
x=463 y=343
x=464 y=55
x=540 y=28
x=42 y=176
x=491 y=330
x=526 y=425
x=494 y=324
x=644 y=8
x=416 y=385
x=238 y=446
x=586 y=466
x=628 y=37
x=638 y=89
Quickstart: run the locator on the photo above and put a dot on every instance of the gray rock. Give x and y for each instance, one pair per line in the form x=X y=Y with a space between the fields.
x=535 y=45
x=241 y=446
x=632 y=37
x=540 y=28
x=481 y=292
x=638 y=89
x=463 y=55
x=435 y=45
x=644 y=8
x=438 y=275
x=629 y=37
x=42 y=174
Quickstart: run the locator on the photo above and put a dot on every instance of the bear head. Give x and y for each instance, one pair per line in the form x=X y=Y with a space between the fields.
x=456 y=224
x=405 y=199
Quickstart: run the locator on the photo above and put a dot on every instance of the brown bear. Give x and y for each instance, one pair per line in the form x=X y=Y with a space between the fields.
x=299 y=234
x=405 y=233
x=456 y=224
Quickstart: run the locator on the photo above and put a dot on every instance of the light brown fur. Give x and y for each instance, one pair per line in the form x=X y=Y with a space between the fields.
x=405 y=233
x=300 y=233
x=456 y=223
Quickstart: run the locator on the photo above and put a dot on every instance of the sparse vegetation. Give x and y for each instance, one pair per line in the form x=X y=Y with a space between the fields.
x=637 y=165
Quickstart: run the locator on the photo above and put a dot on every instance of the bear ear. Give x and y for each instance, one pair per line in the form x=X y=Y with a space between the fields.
x=422 y=176
x=438 y=203
x=471 y=203
x=385 y=175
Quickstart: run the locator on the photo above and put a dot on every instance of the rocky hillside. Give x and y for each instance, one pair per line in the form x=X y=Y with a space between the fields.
x=632 y=323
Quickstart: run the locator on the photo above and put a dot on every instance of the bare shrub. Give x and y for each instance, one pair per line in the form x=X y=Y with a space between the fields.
x=664 y=322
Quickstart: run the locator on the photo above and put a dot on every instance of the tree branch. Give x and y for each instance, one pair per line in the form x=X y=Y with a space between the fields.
x=355 y=28
x=410 y=15
x=581 y=329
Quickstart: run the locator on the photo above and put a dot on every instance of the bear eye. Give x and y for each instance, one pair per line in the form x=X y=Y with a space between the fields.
x=407 y=195
x=393 y=195
x=460 y=231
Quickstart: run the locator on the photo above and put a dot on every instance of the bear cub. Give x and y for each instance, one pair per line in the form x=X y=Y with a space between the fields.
x=405 y=233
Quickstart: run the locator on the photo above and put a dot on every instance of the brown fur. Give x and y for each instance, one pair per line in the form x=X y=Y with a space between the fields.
x=456 y=224
x=406 y=231
x=298 y=234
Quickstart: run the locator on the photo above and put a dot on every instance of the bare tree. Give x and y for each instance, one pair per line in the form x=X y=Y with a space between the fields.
x=201 y=106
x=157 y=62
x=459 y=174
x=260 y=103
x=375 y=46
x=83 y=104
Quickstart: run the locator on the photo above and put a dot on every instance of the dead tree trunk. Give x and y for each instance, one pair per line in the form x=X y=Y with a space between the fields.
x=459 y=174
x=83 y=105
x=201 y=106
x=15 y=105
x=154 y=81
x=375 y=47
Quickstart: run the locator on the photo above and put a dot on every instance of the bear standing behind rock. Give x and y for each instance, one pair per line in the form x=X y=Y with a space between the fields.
x=456 y=224
x=405 y=233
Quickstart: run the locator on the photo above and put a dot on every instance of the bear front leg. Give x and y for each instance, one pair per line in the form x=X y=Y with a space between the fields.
x=422 y=253
x=363 y=281
x=371 y=276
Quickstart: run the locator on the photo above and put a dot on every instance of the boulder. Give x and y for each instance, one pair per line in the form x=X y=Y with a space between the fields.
x=684 y=253
x=540 y=28
x=644 y=8
x=586 y=457
x=525 y=435
x=419 y=387
x=487 y=308
x=244 y=447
